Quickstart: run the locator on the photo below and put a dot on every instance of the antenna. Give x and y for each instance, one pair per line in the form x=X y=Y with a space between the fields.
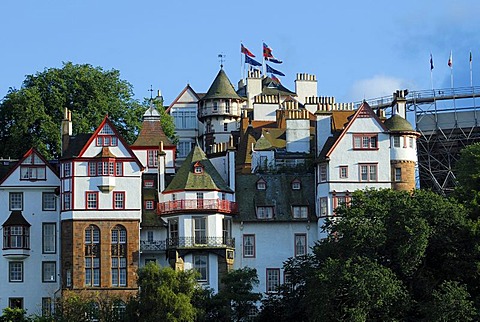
x=221 y=59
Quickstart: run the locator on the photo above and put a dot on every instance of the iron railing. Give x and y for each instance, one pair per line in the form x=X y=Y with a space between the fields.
x=188 y=242
x=154 y=245
x=210 y=205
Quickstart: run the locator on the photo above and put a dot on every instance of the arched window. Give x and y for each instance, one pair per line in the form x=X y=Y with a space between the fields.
x=119 y=256
x=92 y=256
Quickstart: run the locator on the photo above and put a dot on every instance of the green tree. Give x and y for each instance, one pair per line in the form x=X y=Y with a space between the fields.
x=13 y=315
x=166 y=120
x=386 y=258
x=164 y=295
x=32 y=115
x=467 y=172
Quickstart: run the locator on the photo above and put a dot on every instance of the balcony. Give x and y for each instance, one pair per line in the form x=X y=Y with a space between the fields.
x=200 y=242
x=186 y=242
x=195 y=205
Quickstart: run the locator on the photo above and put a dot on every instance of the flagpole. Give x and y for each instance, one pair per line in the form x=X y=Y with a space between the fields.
x=450 y=62
x=431 y=70
x=471 y=73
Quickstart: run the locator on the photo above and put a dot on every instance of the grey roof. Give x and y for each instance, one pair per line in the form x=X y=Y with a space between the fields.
x=221 y=88
x=278 y=193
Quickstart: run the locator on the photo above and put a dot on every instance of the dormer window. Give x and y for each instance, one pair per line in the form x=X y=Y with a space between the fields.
x=16 y=232
x=296 y=184
x=198 y=168
x=261 y=184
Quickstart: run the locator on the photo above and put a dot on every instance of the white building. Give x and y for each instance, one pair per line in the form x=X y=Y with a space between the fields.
x=30 y=224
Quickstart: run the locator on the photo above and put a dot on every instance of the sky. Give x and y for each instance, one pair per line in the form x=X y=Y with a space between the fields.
x=357 y=49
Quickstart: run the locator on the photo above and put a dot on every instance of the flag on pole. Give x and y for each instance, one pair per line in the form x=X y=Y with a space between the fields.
x=274 y=71
x=275 y=78
x=267 y=51
x=251 y=61
x=431 y=62
x=274 y=60
x=450 y=60
x=245 y=51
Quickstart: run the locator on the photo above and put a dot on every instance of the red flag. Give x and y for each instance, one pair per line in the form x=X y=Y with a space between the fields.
x=247 y=52
x=267 y=51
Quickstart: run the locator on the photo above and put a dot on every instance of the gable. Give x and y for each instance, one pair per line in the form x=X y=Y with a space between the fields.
x=186 y=96
x=32 y=170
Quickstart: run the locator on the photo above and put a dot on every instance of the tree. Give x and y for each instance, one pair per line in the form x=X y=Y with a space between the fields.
x=13 y=315
x=32 y=115
x=386 y=258
x=467 y=172
x=164 y=295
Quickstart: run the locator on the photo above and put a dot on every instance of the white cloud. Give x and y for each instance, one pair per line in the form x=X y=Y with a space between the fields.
x=377 y=86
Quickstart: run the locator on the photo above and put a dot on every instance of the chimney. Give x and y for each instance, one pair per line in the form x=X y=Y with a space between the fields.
x=66 y=129
x=399 y=104
x=161 y=169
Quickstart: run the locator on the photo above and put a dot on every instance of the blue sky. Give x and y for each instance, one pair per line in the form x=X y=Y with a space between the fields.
x=357 y=49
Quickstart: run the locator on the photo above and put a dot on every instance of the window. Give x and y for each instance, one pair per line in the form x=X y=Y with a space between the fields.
x=410 y=142
x=227 y=107
x=368 y=172
x=91 y=200
x=92 y=256
x=300 y=211
x=150 y=236
x=173 y=229
x=16 y=237
x=32 y=172
x=248 y=245
x=16 y=200
x=119 y=169
x=149 y=204
x=67 y=197
x=265 y=212
x=323 y=173
x=200 y=200
x=15 y=302
x=215 y=106
x=46 y=306
x=49 y=272
x=48 y=238
x=273 y=279
x=149 y=184
x=323 y=206
x=119 y=256
x=365 y=141
x=106 y=140
x=49 y=201
x=343 y=172
x=200 y=230
x=261 y=184
x=92 y=169
x=68 y=279
x=225 y=127
x=15 y=272
x=396 y=141
x=67 y=169
x=152 y=158
x=185 y=119
x=200 y=264
x=183 y=148
x=300 y=244
x=198 y=169
x=296 y=185
x=119 y=200
x=341 y=199
x=398 y=174
x=226 y=230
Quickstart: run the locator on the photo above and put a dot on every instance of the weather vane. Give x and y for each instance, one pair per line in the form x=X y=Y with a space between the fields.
x=221 y=58
x=151 y=92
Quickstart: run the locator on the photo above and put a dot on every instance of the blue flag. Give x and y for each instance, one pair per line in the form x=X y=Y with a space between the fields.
x=251 y=61
x=274 y=71
x=274 y=60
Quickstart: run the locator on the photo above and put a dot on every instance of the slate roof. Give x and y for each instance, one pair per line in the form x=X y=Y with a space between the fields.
x=75 y=145
x=270 y=87
x=16 y=219
x=152 y=134
x=221 y=88
x=186 y=179
x=278 y=193
x=396 y=123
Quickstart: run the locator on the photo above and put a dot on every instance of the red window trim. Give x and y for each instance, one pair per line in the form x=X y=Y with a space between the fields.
x=100 y=140
x=340 y=171
x=363 y=135
x=87 y=193
x=116 y=193
x=151 y=184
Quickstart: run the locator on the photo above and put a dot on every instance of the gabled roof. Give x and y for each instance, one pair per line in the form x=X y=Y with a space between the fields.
x=75 y=145
x=271 y=87
x=186 y=179
x=177 y=99
x=12 y=166
x=364 y=111
x=151 y=133
x=221 y=88
x=271 y=138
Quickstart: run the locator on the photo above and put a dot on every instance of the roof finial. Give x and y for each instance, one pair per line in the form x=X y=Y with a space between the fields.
x=151 y=92
x=221 y=58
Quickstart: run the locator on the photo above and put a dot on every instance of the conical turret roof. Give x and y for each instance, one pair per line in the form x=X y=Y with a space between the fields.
x=221 y=88
x=396 y=123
